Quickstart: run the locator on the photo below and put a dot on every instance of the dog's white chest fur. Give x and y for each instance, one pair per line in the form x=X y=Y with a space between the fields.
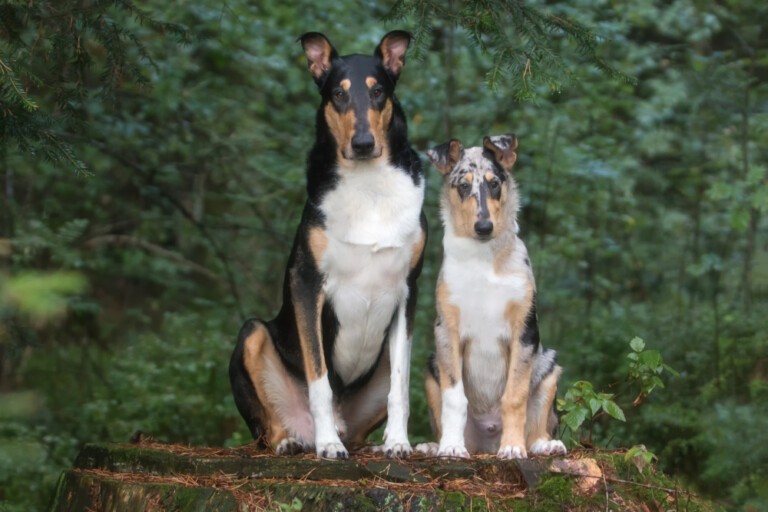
x=372 y=223
x=482 y=296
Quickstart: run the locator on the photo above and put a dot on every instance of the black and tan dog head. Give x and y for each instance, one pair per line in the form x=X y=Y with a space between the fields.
x=479 y=194
x=358 y=92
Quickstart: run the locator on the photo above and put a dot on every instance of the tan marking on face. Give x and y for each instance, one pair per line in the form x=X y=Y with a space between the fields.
x=342 y=127
x=496 y=211
x=379 y=122
x=346 y=84
x=448 y=358
x=463 y=213
x=489 y=177
x=318 y=243
x=263 y=364
x=370 y=82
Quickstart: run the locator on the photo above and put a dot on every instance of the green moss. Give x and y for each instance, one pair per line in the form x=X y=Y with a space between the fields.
x=555 y=489
x=453 y=501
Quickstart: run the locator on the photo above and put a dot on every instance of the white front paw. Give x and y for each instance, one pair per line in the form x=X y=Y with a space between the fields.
x=398 y=449
x=456 y=450
x=512 y=452
x=332 y=450
x=548 y=447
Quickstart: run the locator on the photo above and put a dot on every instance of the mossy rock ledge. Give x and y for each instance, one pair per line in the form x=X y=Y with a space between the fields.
x=158 y=477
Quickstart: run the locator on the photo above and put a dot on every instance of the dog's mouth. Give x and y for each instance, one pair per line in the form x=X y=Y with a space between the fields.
x=356 y=156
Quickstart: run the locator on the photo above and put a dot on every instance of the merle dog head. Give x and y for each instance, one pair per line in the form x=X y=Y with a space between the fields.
x=479 y=194
x=358 y=92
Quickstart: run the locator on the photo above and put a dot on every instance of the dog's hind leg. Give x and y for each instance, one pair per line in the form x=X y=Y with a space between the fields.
x=272 y=403
x=541 y=420
x=243 y=389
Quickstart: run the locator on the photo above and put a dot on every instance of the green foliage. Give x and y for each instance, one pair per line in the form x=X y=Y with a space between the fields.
x=56 y=46
x=522 y=41
x=582 y=403
x=640 y=456
x=646 y=367
x=171 y=385
x=40 y=296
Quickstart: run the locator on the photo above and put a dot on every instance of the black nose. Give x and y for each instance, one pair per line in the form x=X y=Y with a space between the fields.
x=484 y=227
x=362 y=144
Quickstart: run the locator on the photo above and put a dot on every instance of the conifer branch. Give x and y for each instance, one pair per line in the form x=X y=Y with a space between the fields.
x=520 y=40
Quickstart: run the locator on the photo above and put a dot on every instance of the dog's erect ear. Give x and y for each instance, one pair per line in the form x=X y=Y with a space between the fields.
x=445 y=156
x=320 y=52
x=503 y=149
x=391 y=51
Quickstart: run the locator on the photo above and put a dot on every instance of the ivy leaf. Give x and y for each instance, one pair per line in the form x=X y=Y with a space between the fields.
x=595 y=405
x=637 y=344
x=575 y=418
x=613 y=410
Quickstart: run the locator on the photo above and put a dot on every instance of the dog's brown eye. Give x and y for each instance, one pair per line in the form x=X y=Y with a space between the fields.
x=339 y=94
x=377 y=93
x=494 y=184
x=464 y=188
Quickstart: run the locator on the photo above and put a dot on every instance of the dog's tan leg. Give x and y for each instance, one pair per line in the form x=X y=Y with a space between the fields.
x=435 y=405
x=541 y=419
x=306 y=286
x=434 y=402
x=453 y=400
x=514 y=400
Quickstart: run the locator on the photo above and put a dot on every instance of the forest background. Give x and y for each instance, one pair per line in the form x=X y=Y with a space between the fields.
x=152 y=175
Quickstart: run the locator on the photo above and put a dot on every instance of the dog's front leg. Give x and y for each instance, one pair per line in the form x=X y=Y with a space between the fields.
x=308 y=297
x=453 y=414
x=514 y=401
x=396 y=442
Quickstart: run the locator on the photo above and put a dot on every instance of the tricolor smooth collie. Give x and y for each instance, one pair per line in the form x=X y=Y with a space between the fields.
x=490 y=384
x=334 y=363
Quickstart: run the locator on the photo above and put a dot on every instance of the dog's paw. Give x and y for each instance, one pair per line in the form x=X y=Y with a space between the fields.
x=331 y=451
x=512 y=452
x=548 y=447
x=290 y=446
x=428 y=449
x=399 y=450
x=453 y=451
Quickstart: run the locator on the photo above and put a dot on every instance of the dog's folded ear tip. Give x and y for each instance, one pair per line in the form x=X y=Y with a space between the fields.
x=308 y=35
x=508 y=141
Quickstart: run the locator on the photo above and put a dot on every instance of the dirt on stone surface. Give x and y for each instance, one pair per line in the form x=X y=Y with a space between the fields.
x=149 y=475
